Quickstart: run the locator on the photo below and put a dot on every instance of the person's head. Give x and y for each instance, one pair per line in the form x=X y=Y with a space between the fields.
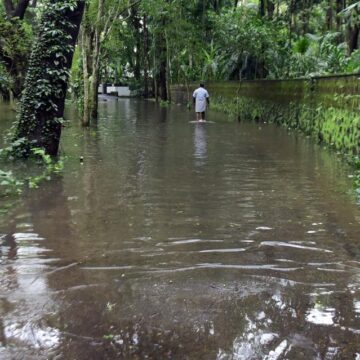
x=202 y=84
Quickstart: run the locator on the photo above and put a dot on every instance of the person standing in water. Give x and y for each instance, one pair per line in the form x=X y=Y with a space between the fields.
x=201 y=99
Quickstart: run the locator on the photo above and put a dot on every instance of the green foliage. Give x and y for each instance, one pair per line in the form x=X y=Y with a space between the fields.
x=212 y=40
x=301 y=46
x=10 y=184
x=15 y=38
x=15 y=149
x=353 y=62
x=164 y=104
x=15 y=41
x=316 y=55
x=352 y=7
x=244 y=40
x=211 y=64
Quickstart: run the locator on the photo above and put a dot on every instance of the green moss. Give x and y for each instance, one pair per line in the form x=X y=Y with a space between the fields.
x=334 y=126
x=337 y=125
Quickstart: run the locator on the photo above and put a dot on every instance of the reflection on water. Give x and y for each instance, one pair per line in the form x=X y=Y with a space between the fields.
x=181 y=241
x=25 y=293
x=200 y=148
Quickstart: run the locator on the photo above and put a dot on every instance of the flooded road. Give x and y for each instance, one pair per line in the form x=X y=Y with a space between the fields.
x=182 y=241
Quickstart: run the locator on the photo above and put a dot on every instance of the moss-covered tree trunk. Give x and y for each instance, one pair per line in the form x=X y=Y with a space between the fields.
x=42 y=103
x=95 y=76
x=91 y=51
x=85 y=44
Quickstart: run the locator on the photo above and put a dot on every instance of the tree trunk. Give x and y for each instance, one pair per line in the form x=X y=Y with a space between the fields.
x=95 y=79
x=16 y=12
x=353 y=37
x=162 y=56
x=9 y=8
x=262 y=8
x=91 y=43
x=154 y=71
x=135 y=21
x=85 y=49
x=270 y=7
x=20 y=9
x=329 y=16
x=162 y=80
x=266 y=7
x=339 y=7
x=43 y=100
x=168 y=68
x=146 y=57
x=162 y=83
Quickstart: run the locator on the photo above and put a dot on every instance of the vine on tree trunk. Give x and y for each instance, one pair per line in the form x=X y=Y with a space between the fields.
x=42 y=103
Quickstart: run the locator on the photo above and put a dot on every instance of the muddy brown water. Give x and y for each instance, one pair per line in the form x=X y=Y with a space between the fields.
x=181 y=241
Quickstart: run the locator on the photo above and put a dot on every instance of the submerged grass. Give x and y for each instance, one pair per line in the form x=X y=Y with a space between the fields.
x=38 y=167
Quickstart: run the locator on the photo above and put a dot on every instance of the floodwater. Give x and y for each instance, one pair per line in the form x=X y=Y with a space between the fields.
x=175 y=240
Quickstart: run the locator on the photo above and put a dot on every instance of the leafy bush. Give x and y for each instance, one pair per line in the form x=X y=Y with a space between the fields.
x=353 y=62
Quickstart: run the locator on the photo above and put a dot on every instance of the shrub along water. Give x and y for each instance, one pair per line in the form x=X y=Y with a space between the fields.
x=43 y=167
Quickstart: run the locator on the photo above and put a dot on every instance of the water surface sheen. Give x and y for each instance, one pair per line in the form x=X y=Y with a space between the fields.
x=182 y=241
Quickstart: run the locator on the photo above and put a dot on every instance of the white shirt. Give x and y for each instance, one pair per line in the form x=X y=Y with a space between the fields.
x=200 y=94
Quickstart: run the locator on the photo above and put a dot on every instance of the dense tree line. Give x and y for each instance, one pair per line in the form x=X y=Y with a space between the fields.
x=150 y=44
x=181 y=41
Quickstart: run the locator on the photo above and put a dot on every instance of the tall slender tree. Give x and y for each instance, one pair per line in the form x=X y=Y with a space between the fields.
x=99 y=19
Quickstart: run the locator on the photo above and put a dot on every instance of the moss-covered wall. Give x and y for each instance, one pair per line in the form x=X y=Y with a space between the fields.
x=327 y=108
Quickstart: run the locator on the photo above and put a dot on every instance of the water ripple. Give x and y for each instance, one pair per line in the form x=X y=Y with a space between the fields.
x=285 y=244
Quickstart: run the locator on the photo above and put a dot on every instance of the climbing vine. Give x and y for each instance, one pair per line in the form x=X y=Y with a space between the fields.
x=42 y=104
